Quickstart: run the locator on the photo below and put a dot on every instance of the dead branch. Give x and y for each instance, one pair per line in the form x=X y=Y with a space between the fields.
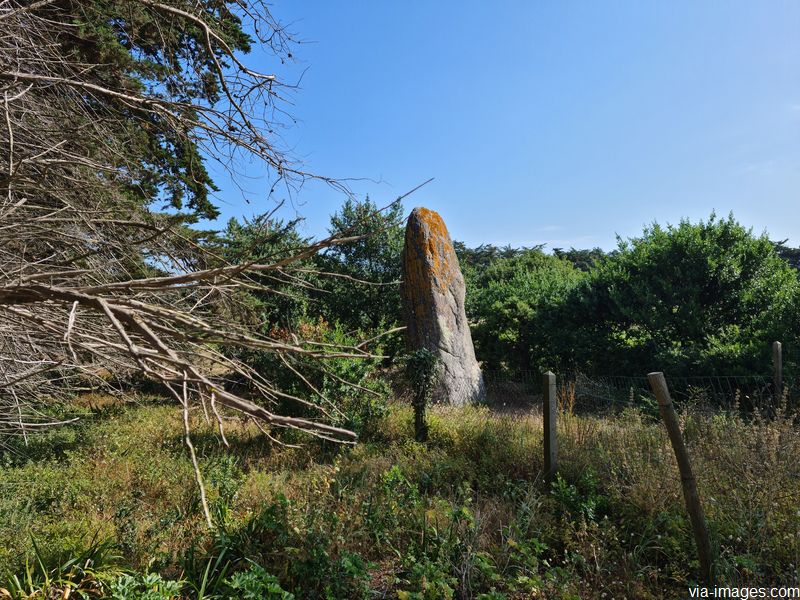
x=96 y=284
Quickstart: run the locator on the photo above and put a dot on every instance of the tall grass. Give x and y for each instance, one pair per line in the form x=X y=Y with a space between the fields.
x=465 y=515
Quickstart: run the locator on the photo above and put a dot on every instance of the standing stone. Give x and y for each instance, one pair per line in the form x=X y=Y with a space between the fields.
x=433 y=300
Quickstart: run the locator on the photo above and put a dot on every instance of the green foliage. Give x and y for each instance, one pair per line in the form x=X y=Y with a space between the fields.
x=463 y=515
x=374 y=259
x=485 y=255
x=693 y=298
x=138 y=52
x=223 y=475
x=354 y=284
x=584 y=260
x=295 y=545
x=83 y=572
x=446 y=560
x=257 y=584
x=582 y=500
x=148 y=586
x=350 y=388
x=697 y=298
x=429 y=581
x=492 y=595
x=789 y=254
x=423 y=370
x=513 y=306
x=264 y=240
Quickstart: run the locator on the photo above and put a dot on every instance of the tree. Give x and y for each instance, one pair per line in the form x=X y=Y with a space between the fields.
x=110 y=109
x=789 y=254
x=263 y=240
x=582 y=259
x=362 y=285
x=704 y=298
x=485 y=255
x=348 y=388
x=513 y=305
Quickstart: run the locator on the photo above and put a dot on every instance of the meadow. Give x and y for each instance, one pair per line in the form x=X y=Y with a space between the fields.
x=110 y=508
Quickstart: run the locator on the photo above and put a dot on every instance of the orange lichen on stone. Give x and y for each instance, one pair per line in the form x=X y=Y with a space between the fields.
x=438 y=252
x=433 y=298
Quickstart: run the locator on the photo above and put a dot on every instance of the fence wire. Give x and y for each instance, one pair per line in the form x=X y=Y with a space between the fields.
x=590 y=393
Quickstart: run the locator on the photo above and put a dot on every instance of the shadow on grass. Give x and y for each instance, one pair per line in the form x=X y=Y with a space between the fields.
x=56 y=443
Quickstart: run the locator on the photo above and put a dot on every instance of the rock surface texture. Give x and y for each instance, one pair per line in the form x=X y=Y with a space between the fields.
x=433 y=298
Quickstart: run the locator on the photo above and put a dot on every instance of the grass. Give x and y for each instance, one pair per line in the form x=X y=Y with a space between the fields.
x=110 y=507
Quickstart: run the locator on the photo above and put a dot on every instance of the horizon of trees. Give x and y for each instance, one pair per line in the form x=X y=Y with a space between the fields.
x=693 y=298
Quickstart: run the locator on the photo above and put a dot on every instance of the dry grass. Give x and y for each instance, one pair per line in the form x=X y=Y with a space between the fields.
x=615 y=524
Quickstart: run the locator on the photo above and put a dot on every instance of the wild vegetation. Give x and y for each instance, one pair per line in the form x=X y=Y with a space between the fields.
x=238 y=416
x=110 y=507
x=690 y=299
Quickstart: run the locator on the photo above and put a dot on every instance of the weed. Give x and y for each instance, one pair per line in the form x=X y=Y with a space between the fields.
x=463 y=516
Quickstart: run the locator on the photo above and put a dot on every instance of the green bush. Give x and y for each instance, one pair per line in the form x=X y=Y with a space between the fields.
x=297 y=546
x=149 y=586
x=705 y=298
x=513 y=307
x=256 y=584
x=363 y=292
x=689 y=299
x=582 y=500
x=350 y=391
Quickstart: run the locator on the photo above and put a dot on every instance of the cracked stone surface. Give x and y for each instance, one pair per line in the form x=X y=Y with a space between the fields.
x=433 y=299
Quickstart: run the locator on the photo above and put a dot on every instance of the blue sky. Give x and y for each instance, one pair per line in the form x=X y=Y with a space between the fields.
x=563 y=123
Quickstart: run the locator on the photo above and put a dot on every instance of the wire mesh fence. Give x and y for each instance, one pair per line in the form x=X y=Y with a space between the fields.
x=521 y=389
x=711 y=392
x=583 y=392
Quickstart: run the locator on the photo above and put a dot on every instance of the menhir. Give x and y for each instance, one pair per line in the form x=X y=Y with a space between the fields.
x=433 y=298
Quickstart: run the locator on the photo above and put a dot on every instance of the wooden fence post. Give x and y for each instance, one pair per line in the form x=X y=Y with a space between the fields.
x=693 y=506
x=777 y=370
x=549 y=412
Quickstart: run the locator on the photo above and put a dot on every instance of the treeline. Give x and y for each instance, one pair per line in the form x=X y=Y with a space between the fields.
x=689 y=299
x=693 y=298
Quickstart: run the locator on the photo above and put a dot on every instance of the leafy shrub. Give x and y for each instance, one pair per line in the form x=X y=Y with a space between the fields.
x=295 y=545
x=428 y=580
x=149 y=586
x=375 y=259
x=49 y=576
x=705 y=297
x=513 y=307
x=256 y=584
x=582 y=500
x=693 y=298
x=422 y=371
